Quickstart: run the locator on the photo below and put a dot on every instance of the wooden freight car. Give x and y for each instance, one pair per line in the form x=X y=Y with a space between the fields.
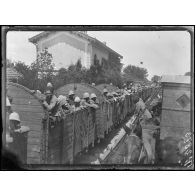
x=31 y=113
x=175 y=121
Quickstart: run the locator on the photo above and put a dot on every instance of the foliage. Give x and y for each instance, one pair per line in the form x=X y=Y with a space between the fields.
x=134 y=73
x=40 y=72
x=155 y=78
x=9 y=63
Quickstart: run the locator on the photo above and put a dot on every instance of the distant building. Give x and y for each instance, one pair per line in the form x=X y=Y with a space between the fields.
x=74 y=45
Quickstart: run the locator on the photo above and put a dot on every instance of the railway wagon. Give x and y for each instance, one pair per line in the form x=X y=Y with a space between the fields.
x=46 y=144
x=30 y=148
x=78 y=130
x=175 y=121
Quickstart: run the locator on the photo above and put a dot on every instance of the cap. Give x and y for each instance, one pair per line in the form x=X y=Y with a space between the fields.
x=105 y=90
x=93 y=95
x=118 y=91
x=7 y=102
x=114 y=93
x=77 y=99
x=110 y=83
x=14 y=116
x=71 y=92
x=93 y=84
x=61 y=98
x=109 y=95
x=38 y=91
x=48 y=92
x=86 y=95
x=49 y=85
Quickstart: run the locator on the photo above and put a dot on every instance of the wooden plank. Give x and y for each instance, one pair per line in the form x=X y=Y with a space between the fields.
x=25 y=101
x=28 y=108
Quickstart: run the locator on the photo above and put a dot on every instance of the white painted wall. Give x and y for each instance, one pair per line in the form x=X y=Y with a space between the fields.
x=67 y=48
x=64 y=55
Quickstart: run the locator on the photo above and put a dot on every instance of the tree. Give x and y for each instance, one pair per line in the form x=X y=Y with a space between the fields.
x=43 y=69
x=155 y=78
x=187 y=74
x=9 y=63
x=134 y=73
x=28 y=76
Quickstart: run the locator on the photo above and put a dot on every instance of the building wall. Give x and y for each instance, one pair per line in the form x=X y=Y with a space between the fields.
x=64 y=55
x=66 y=49
x=175 y=121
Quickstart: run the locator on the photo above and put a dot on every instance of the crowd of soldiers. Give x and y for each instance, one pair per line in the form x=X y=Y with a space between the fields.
x=59 y=106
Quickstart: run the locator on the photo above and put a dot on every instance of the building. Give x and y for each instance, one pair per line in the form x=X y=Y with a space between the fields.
x=176 y=115
x=69 y=46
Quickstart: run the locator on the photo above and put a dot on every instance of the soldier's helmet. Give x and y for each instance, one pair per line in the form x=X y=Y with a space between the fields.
x=93 y=95
x=77 y=99
x=71 y=92
x=86 y=95
x=14 y=116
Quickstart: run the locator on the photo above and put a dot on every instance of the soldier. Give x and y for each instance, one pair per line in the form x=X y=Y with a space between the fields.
x=139 y=104
x=93 y=98
x=118 y=91
x=50 y=87
x=50 y=103
x=110 y=97
x=148 y=130
x=64 y=107
x=77 y=105
x=105 y=92
x=93 y=101
x=85 y=101
x=115 y=96
x=71 y=97
x=15 y=125
x=16 y=131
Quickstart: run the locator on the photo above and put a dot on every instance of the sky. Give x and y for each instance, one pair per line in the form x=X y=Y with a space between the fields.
x=162 y=52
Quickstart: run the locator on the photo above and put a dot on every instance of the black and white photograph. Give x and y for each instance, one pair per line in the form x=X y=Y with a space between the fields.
x=97 y=98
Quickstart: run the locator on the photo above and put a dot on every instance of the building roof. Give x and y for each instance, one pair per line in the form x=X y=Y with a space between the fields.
x=12 y=73
x=80 y=34
x=175 y=79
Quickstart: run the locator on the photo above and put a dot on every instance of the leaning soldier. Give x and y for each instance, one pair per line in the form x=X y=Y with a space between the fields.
x=50 y=102
x=105 y=92
x=77 y=104
x=110 y=97
x=51 y=105
x=86 y=100
x=148 y=130
x=115 y=96
x=93 y=101
x=71 y=97
x=63 y=108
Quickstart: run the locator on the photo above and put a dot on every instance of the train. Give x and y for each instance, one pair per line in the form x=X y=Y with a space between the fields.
x=76 y=132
